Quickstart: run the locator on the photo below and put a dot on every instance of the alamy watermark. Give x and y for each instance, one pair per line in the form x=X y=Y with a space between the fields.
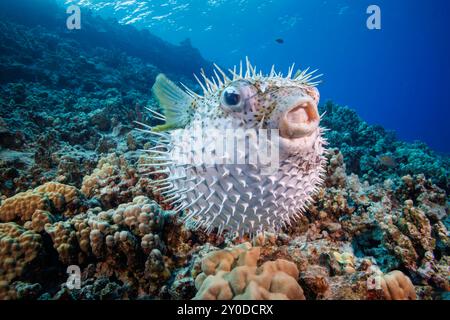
x=374 y=20
x=258 y=147
x=74 y=279
x=73 y=22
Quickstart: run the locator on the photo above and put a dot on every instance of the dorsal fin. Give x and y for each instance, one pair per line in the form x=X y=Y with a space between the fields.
x=174 y=102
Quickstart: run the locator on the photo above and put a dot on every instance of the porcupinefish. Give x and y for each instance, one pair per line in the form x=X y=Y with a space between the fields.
x=225 y=194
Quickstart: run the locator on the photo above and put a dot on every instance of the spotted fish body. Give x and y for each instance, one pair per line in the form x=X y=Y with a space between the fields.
x=239 y=197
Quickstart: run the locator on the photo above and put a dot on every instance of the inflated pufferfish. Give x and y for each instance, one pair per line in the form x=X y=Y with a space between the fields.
x=225 y=194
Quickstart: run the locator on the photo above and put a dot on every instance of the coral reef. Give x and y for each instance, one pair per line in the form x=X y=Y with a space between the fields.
x=374 y=154
x=112 y=242
x=129 y=246
x=64 y=100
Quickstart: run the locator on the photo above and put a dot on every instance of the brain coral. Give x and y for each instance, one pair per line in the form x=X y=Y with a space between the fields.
x=397 y=286
x=233 y=274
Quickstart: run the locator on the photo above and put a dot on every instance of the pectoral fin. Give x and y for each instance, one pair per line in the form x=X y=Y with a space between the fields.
x=174 y=102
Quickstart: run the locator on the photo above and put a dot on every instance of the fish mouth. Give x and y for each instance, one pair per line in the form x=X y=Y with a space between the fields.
x=300 y=121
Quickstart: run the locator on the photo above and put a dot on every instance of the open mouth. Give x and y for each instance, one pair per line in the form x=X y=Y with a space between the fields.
x=300 y=121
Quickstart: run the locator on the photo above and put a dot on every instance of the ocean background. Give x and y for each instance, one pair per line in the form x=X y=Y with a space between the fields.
x=76 y=191
x=397 y=77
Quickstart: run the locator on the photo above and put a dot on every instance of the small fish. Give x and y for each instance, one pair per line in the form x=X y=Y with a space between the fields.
x=279 y=40
x=387 y=161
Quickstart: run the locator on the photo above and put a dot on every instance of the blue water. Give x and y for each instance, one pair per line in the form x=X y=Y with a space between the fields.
x=397 y=77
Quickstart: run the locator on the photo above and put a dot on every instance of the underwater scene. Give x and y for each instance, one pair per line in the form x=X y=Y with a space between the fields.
x=224 y=150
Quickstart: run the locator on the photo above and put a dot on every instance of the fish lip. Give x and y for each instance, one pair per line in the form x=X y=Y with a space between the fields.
x=300 y=120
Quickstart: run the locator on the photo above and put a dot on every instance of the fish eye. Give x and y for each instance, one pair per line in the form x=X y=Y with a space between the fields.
x=232 y=98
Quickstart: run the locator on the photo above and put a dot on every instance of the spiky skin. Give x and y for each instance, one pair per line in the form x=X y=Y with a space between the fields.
x=239 y=197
